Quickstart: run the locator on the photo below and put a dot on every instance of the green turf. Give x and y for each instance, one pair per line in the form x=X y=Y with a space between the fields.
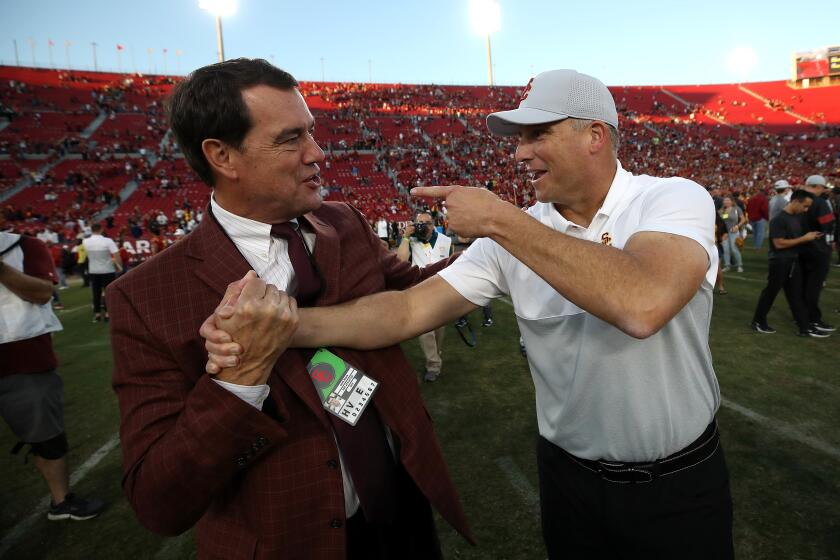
x=785 y=492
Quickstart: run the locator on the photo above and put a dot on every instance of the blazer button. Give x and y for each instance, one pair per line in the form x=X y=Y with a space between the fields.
x=336 y=523
x=241 y=461
x=261 y=441
x=332 y=463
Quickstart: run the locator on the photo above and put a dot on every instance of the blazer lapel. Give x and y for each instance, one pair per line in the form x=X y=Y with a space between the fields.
x=220 y=262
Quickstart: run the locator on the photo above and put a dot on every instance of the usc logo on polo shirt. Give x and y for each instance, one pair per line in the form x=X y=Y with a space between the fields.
x=606 y=239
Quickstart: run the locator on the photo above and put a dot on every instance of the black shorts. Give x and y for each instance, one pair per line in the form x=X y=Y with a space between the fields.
x=32 y=404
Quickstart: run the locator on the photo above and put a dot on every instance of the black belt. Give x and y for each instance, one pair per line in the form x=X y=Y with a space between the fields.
x=612 y=471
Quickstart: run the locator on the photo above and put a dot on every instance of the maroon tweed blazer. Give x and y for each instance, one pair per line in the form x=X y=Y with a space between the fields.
x=195 y=453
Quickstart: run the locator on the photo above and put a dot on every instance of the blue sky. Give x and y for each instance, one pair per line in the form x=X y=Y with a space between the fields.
x=431 y=41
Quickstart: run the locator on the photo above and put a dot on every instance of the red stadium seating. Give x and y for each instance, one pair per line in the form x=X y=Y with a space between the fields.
x=382 y=139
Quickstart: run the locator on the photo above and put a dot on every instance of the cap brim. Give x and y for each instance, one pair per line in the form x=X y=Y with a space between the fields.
x=507 y=123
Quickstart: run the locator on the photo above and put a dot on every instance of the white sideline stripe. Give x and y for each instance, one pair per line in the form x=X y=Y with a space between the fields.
x=821 y=384
x=782 y=428
x=72 y=309
x=520 y=483
x=22 y=527
x=173 y=546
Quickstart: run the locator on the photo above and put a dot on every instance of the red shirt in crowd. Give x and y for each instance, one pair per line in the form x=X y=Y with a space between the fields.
x=758 y=207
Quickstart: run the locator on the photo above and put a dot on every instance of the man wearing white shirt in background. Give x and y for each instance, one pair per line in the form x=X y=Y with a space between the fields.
x=611 y=278
x=103 y=264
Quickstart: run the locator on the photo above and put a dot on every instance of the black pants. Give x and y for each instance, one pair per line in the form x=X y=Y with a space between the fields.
x=781 y=274
x=412 y=535
x=98 y=283
x=685 y=515
x=815 y=266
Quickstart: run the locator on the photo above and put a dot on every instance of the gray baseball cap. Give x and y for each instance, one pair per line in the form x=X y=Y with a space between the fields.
x=781 y=185
x=556 y=95
x=815 y=180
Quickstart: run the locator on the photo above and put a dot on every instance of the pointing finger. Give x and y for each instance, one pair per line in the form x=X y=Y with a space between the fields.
x=433 y=192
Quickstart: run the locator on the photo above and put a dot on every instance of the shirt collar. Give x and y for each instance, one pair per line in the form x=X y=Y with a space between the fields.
x=618 y=188
x=251 y=235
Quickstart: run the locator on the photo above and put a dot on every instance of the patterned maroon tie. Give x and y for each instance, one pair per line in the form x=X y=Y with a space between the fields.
x=363 y=446
x=308 y=281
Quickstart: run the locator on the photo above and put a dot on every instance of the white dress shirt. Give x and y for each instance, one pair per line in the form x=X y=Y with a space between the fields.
x=269 y=257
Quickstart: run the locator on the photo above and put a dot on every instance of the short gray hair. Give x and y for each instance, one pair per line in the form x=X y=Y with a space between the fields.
x=615 y=139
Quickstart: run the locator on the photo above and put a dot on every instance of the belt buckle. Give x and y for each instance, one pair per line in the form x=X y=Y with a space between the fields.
x=624 y=474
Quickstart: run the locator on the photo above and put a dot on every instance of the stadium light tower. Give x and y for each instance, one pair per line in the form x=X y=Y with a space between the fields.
x=486 y=18
x=219 y=9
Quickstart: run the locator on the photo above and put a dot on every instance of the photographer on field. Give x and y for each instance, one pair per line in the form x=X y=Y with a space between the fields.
x=422 y=244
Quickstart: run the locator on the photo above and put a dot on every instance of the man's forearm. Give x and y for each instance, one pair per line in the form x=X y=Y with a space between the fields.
x=26 y=287
x=382 y=319
x=370 y=322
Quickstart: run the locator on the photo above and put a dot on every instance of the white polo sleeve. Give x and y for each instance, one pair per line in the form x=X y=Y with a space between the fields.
x=112 y=247
x=683 y=207
x=477 y=273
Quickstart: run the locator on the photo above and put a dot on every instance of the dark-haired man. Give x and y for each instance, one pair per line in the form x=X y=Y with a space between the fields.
x=816 y=254
x=252 y=455
x=786 y=239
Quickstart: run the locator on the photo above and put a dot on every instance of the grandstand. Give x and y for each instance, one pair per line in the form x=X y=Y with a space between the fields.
x=92 y=145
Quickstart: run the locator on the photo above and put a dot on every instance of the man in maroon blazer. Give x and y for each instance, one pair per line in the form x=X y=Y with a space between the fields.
x=250 y=455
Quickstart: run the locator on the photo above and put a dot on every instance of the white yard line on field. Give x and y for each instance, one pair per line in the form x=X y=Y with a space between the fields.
x=520 y=483
x=783 y=429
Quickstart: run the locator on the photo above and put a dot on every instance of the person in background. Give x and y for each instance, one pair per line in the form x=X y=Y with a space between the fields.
x=758 y=214
x=103 y=265
x=816 y=254
x=783 y=266
x=31 y=391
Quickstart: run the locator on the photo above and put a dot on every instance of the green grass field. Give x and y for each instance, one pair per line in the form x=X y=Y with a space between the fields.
x=780 y=425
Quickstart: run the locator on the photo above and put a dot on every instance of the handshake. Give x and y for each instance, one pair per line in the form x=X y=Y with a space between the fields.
x=262 y=320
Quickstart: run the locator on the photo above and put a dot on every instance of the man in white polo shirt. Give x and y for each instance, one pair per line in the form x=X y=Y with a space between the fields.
x=611 y=277
x=103 y=264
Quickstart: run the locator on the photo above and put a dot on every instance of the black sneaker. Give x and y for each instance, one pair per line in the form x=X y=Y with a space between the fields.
x=430 y=376
x=813 y=333
x=462 y=322
x=487 y=323
x=75 y=508
x=763 y=329
x=823 y=327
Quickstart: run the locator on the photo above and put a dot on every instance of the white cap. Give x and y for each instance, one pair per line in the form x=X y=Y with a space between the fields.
x=781 y=185
x=556 y=95
x=815 y=180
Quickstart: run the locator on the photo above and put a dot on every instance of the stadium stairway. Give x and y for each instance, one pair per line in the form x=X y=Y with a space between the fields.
x=27 y=181
x=126 y=192
x=91 y=128
x=687 y=104
x=766 y=101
